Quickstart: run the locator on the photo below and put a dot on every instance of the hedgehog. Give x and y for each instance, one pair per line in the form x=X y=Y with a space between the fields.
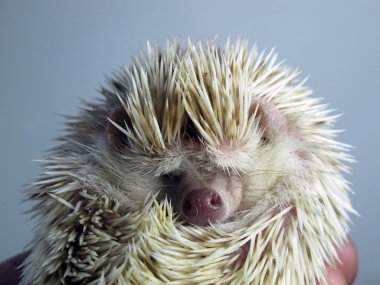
x=200 y=164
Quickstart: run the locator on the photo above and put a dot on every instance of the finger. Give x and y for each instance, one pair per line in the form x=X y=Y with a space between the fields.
x=345 y=271
x=335 y=277
x=349 y=262
x=9 y=271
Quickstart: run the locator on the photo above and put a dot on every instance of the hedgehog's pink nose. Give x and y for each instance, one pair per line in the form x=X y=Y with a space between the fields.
x=202 y=206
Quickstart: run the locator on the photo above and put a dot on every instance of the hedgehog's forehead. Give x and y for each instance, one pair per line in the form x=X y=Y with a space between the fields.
x=212 y=88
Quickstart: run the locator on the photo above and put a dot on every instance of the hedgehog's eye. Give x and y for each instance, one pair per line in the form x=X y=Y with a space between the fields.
x=269 y=120
x=173 y=177
x=119 y=86
x=115 y=136
x=263 y=121
x=266 y=135
x=264 y=139
x=190 y=131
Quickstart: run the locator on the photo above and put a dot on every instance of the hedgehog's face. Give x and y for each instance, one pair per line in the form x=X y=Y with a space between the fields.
x=202 y=129
x=214 y=184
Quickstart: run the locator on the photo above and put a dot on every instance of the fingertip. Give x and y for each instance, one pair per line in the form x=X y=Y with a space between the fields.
x=349 y=262
x=18 y=259
x=335 y=277
x=9 y=269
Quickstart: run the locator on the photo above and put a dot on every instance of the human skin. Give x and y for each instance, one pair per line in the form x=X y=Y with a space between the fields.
x=344 y=272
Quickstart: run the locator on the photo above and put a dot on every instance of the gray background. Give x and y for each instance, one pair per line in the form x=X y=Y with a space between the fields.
x=54 y=52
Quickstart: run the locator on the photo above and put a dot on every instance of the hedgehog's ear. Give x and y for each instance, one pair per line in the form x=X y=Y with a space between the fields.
x=271 y=121
x=120 y=119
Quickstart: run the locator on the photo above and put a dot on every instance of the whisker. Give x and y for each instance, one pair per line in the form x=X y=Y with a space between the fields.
x=269 y=171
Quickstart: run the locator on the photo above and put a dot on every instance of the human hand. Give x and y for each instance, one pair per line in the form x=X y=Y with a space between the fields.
x=10 y=271
x=345 y=272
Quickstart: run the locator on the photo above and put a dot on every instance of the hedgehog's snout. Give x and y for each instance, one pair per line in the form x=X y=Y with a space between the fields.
x=202 y=206
x=200 y=200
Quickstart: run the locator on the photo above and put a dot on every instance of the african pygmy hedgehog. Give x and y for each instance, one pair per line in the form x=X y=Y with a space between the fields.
x=200 y=165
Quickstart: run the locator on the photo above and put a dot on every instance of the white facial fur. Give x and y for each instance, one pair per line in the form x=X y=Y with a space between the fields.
x=254 y=176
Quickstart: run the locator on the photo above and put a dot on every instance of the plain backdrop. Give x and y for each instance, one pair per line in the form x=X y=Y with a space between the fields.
x=54 y=52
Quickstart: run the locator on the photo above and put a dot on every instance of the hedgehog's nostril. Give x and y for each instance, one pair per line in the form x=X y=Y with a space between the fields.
x=202 y=206
x=187 y=205
x=215 y=200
